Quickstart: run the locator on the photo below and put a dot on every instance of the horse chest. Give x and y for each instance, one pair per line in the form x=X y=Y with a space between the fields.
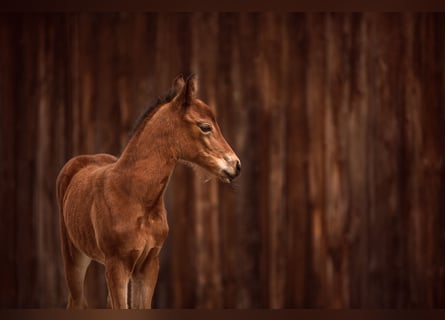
x=153 y=228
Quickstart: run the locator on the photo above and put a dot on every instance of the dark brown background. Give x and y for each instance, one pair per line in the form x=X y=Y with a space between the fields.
x=339 y=121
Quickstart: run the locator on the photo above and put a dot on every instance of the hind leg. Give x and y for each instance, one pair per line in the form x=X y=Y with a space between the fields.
x=76 y=264
x=75 y=276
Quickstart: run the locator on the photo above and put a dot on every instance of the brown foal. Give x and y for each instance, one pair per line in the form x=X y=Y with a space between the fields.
x=112 y=209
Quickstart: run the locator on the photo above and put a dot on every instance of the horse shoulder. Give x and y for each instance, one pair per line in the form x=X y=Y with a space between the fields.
x=114 y=216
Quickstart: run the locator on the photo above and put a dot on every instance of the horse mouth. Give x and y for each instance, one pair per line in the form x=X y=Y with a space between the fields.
x=227 y=177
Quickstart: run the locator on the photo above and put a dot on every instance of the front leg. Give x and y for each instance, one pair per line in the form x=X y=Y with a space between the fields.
x=117 y=275
x=143 y=281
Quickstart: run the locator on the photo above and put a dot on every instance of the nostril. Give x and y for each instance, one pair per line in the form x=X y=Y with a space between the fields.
x=238 y=167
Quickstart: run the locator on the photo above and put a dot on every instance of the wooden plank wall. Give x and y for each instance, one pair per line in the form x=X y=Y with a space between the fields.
x=339 y=120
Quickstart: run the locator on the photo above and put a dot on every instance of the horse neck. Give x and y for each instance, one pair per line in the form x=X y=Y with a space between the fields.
x=148 y=160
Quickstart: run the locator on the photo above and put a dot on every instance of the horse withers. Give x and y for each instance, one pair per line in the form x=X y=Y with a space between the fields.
x=112 y=209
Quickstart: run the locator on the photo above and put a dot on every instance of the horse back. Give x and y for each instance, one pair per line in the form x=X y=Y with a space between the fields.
x=76 y=164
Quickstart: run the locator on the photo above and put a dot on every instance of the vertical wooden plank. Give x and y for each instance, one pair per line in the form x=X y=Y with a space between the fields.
x=270 y=81
x=431 y=150
x=336 y=213
x=27 y=252
x=45 y=92
x=80 y=74
x=51 y=98
x=387 y=252
x=413 y=136
x=105 y=79
x=296 y=189
x=9 y=36
x=264 y=132
x=75 y=88
x=398 y=243
x=279 y=159
x=373 y=282
x=439 y=245
x=85 y=116
x=135 y=36
x=357 y=159
x=315 y=91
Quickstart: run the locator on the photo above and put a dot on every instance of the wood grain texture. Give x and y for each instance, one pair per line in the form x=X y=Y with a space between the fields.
x=338 y=120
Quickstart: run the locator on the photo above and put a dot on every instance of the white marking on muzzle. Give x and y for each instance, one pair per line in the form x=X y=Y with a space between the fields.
x=228 y=164
x=224 y=165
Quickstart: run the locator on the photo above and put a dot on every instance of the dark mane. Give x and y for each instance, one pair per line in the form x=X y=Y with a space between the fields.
x=151 y=109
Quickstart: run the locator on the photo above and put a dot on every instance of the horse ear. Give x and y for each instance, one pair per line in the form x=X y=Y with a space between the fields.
x=188 y=91
x=192 y=84
x=178 y=84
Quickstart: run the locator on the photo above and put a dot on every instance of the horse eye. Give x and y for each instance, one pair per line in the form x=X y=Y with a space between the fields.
x=205 y=127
